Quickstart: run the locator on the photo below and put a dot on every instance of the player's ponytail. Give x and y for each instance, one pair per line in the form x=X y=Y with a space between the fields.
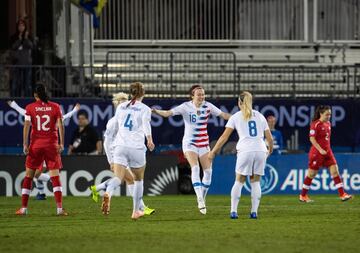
x=40 y=91
x=320 y=109
x=245 y=100
x=136 y=91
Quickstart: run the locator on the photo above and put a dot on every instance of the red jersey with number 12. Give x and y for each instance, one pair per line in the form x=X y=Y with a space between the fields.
x=43 y=117
x=322 y=133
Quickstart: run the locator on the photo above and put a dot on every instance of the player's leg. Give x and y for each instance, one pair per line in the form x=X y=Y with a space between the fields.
x=236 y=194
x=311 y=173
x=100 y=187
x=138 y=174
x=57 y=189
x=255 y=195
x=258 y=168
x=334 y=171
x=192 y=158
x=25 y=192
x=40 y=180
x=129 y=179
x=207 y=171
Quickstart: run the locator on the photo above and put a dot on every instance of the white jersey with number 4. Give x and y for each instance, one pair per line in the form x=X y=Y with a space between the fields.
x=251 y=132
x=196 y=120
x=133 y=125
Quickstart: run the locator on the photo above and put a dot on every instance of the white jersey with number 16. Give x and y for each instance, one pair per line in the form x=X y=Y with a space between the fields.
x=251 y=132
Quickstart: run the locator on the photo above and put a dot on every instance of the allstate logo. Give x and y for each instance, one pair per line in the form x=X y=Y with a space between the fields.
x=268 y=181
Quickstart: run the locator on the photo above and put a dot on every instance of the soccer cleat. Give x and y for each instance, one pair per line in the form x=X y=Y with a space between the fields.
x=234 y=215
x=253 y=215
x=201 y=206
x=345 y=197
x=137 y=214
x=21 y=211
x=40 y=196
x=305 y=199
x=148 y=211
x=94 y=193
x=62 y=213
x=105 y=205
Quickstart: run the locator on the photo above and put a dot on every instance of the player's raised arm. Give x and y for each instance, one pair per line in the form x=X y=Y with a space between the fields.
x=225 y=115
x=16 y=107
x=73 y=111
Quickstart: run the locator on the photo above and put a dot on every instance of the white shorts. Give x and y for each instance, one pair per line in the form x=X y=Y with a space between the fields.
x=250 y=163
x=129 y=157
x=199 y=151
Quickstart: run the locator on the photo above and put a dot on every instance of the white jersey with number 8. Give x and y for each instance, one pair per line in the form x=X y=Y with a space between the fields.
x=251 y=132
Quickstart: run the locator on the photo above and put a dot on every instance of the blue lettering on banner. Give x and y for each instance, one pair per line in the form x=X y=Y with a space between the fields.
x=283 y=176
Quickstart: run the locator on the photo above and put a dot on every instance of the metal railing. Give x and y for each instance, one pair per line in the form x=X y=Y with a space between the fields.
x=171 y=74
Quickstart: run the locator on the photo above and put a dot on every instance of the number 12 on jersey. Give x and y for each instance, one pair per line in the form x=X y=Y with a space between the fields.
x=252 y=128
x=128 y=122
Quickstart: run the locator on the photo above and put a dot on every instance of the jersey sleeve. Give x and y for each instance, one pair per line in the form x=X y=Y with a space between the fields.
x=178 y=110
x=312 y=132
x=231 y=122
x=146 y=119
x=214 y=110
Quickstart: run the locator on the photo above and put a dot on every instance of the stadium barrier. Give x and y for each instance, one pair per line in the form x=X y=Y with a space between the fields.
x=283 y=175
x=79 y=172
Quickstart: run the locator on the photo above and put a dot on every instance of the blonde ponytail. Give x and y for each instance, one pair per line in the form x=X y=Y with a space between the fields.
x=245 y=99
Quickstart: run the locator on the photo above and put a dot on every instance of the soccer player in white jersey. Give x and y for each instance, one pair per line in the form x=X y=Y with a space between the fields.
x=251 y=127
x=195 y=144
x=40 y=178
x=133 y=122
x=109 y=146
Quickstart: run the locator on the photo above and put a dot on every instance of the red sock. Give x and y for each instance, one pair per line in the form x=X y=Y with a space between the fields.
x=306 y=186
x=26 y=189
x=339 y=185
x=57 y=189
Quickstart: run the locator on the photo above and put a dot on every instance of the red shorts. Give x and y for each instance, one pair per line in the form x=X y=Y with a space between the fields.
x=37 y=156
x=317 y=160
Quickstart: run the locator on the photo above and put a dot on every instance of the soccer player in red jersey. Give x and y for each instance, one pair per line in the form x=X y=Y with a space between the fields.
x=45 y=119
x=320 y=154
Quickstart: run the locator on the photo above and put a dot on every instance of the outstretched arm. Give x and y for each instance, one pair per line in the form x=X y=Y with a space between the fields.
x=225 y=115
x=16 y=107
x=220 y=143
x=163 y=113
x=70 y=114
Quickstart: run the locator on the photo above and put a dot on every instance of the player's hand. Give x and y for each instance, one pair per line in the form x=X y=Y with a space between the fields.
x=150 y=145
x=60 y=149
x=77 y=106
x=153 y=110
x=111 y=166
x=26 y=149
x=9 y=102
x=323 y=152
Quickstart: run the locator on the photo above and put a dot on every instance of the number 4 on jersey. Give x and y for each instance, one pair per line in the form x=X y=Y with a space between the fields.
x=128 y=122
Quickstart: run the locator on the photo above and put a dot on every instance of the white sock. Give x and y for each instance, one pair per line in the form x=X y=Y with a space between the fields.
x=44 y=177
x=131 y=192
x=255 y=196
x=195 y=179
x=206 y=181
x=39 y=185
x=138 y=194
x=131 y=189
x=235 y=195
x=59 y=210
x=112 y=185
x=103 y=185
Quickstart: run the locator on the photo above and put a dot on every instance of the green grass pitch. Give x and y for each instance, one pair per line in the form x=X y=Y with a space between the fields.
x=284 y=225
